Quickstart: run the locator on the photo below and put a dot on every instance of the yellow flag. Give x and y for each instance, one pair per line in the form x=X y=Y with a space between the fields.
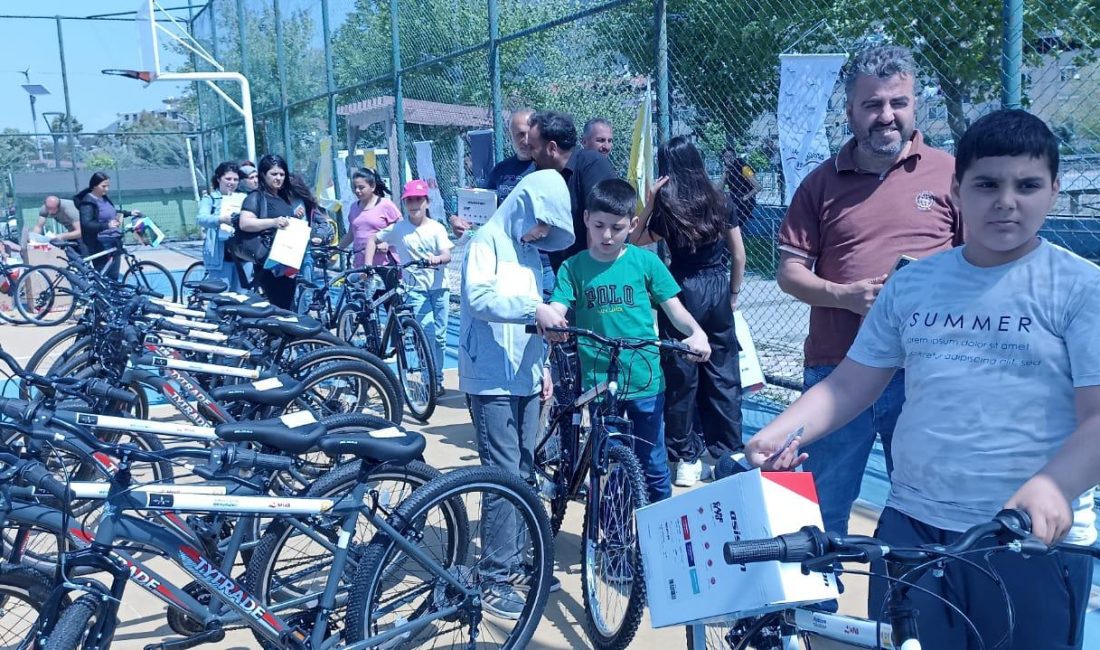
x=640 y=171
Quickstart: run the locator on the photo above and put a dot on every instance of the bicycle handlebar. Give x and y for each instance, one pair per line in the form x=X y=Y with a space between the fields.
x=811 y=543
x=620 y=343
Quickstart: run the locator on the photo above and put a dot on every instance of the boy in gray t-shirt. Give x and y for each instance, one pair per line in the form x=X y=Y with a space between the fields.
x=999 y=344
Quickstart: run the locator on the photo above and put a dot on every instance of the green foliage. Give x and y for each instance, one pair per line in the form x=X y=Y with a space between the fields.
x=100 y=160
x=16 y=153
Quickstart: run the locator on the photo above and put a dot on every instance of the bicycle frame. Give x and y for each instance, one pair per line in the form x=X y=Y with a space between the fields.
x=807 y=623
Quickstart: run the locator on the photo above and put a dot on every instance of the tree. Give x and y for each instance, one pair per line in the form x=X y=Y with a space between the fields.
x=154 y=150
x=57 y=125
x=99 y=160
x=16 y=152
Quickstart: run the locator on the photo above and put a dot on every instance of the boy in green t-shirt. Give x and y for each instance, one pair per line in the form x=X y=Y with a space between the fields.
x=613 y=288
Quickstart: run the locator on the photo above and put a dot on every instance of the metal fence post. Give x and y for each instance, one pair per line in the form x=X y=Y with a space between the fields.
x=330 y=86
x=198 y=94
x=1012 y=53
x=241 y=38
x=398 y=100
x=214 y=52
x=494 y=80
x=660 y=22
x=68 y=104
x=280 y=66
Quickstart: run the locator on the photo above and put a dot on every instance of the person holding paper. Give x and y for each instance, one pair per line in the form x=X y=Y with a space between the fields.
x=422 y=238
x=216 y=213
x=704 y=241
x=270 y=207
x=65 y=213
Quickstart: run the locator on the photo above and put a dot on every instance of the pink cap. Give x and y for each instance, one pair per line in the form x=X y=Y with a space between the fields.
x=415 y=188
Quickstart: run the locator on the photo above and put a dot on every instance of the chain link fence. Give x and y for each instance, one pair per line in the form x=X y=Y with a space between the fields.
x=462 y=65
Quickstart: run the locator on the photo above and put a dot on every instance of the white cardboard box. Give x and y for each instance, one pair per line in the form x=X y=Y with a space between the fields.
x=681 y=539
x=476 y=206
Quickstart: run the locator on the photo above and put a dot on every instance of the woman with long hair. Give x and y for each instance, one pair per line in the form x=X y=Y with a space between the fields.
x=371 y=213
x=100 y=223
x=269 y=207
x=217 y=228
x=688 y=211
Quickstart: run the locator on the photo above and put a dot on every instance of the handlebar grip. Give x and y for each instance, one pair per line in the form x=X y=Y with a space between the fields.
x=103 y=389
x=272 y=462
x=37 y=475
x=753 y=550
x=149 y=292
x=172 y=327
x=15 y=409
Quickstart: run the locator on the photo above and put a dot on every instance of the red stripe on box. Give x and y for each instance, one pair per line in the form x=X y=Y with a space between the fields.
x=801 y=483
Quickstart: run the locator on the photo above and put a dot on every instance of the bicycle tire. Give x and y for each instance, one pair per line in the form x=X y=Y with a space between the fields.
x=618 y=493
x=381 y=558
x=348 y=327
x=152 y=276
x=74 y=624
x=338 y=387
x=391 y=401
x=25 y=585
x=263 y=572
x=420 y=396
x=69 y=343
x=44 y=295
x=197 y=271
x=8 y=281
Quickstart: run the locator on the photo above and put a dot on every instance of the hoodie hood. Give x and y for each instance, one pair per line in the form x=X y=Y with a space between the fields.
x=541 y=196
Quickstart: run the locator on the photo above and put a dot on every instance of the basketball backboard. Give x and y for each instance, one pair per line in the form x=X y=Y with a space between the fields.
x=147 y=37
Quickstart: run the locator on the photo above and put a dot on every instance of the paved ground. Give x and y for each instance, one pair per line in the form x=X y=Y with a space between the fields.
x=450 y=445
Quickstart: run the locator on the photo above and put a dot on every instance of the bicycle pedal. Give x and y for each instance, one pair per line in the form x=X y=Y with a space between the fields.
x=209 y=636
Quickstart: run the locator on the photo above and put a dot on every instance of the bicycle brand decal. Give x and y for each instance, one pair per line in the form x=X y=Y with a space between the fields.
x=200 y=567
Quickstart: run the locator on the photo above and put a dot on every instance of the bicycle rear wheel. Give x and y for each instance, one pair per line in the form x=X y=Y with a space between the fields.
x=197 y=271
x=392 y=590
x=9 y=277
x=44 y=295
x=415 y=368
x=152 y=276
x=611 y=566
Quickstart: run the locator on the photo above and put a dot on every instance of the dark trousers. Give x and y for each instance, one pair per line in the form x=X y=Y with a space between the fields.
x=712 y=388
x=279 y=290
x=1049 y=594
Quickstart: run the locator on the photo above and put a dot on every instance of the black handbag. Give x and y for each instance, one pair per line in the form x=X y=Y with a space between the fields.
x=252 y=247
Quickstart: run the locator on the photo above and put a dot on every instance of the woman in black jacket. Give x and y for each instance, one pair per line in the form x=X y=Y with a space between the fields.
x=99 y=223
x=270 y=207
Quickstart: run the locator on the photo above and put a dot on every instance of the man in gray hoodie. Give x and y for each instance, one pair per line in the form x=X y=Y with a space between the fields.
x=500 y=366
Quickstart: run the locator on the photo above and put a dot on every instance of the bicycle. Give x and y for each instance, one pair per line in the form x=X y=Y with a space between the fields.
x=576 y=453
x=360 y=323
x=448 y=591
x=822 y=552
x=10 y=273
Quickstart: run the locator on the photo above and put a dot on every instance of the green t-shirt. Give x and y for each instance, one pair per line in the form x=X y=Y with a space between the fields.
x=617 y=299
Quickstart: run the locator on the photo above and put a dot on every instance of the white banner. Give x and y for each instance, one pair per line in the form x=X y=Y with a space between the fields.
x=425 y=169
x=806 y=83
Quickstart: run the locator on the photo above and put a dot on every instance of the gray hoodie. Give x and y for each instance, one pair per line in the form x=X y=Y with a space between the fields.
x=502 y=286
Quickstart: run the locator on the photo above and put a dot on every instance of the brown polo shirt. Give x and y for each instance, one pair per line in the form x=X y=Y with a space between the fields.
x=855 y=224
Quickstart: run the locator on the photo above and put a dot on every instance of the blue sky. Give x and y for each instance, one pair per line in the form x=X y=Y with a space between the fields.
x=90 y=46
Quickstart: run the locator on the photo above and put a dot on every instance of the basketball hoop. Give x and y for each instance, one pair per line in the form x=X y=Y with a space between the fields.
x=140 y=75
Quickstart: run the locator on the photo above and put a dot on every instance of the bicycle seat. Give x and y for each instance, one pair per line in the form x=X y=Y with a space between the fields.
x=290 y=326
x=276 y=432
x=206 y=286
x=243 y=311
x=64 y=243
x=276 y=391
x=392 y=444
x=229 y=298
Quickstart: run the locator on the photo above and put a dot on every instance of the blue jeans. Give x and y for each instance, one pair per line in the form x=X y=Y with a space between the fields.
x=647 y=415
x=839 y=460
x=431 y=308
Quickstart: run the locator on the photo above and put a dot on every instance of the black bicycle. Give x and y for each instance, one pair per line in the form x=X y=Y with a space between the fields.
x=585 y=449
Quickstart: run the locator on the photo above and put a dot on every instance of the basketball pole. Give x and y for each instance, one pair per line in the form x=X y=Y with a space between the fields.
x=244 y=108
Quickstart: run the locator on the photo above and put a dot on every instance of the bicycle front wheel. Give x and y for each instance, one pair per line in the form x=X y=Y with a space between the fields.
x=152 y=276
x=9 y=277
x=611 y=567
x=44 y=295
x=415 y=368
x=509 y=559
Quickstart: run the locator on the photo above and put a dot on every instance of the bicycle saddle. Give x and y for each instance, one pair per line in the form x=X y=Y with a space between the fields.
x=392 y=444
x=276 y=433
x=276 y=391
x=206 y=286
x=243 y=311
x=228 y=298
x=290 y=326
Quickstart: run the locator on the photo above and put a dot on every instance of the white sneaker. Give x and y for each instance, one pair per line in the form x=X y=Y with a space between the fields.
x=688 y=474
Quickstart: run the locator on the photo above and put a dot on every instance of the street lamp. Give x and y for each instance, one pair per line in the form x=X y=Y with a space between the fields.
x=33 y=91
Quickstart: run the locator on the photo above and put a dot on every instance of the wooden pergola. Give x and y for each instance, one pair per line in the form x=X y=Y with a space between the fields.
x=380 y=110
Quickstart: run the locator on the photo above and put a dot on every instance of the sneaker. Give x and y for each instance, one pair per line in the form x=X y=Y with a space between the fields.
x=522 y=580
x=688 y=474
x=440 y=390
x=503 y=601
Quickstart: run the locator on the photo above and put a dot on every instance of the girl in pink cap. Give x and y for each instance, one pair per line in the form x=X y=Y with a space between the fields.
x=419 y=237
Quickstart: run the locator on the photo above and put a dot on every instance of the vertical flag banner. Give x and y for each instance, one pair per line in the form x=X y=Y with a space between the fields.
x=481 y=155
x=806 y=83
x=640 y=170
x=425 y=167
